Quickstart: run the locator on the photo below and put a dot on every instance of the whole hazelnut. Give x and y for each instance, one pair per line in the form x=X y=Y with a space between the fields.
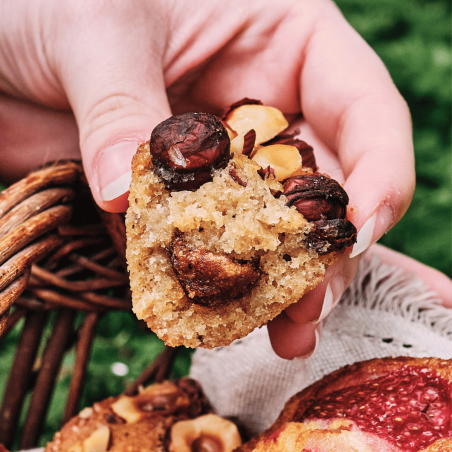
x=328 y=236
x=316 y=196
x=211 y=278
x=186 y=149
x=206 y=444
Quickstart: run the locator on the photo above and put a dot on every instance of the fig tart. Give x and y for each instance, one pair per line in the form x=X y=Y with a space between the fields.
x=382 y=405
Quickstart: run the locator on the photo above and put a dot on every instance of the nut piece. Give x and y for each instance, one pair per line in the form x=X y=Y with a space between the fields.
x=316 y=196
x=331 y=235
x=306 y=151
x=244 y=143
x=266 y=121
x=186 y=149
x=158 y=399
x=208 y=433
x=284 y=159
x=209 y=278
x=98 y=440
x=86 y=412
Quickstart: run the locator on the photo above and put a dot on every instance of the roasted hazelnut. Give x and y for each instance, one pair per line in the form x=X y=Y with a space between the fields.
x=316 y=196
x=211 y=278
x=97 y=441
x=239 y=103
x=327 y=236
x=266 y=172
x=198 y=402
x=163 y=403
x=267 y=122
x=155 y=400
x=244 y=143
x=208 y=433
x=235 y=176
x=284 y=160
x=186 y=149
x=306 y=151
x=206 y=444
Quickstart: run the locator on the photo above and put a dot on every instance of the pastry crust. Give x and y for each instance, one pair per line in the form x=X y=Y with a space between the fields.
x=236 y=214
x=304 y=432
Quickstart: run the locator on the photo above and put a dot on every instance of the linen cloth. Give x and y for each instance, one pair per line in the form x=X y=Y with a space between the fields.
x=385 y=312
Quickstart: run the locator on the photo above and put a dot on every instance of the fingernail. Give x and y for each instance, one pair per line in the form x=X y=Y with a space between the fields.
x=379 y=223
x=114 y=169
x=333 y=293
x=317 y=340
x=364 y=237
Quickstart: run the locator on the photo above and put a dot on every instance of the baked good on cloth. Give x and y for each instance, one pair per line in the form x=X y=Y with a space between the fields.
x=228 y=224
x=381 y=405
x=164 y=417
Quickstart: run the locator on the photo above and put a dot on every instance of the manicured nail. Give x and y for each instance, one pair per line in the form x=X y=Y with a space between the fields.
x=364 y=237
x=333 y=293
x=114 y=169
x=317 y=340
x=378 y=224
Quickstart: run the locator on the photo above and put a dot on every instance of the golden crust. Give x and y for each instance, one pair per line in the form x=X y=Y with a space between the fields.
x=223 y=216
x=132 y=423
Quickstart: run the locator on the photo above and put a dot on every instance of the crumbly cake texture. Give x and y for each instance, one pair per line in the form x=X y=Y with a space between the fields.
x=221 y=216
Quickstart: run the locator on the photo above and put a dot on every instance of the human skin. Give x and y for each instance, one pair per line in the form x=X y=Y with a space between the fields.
x=92 y=79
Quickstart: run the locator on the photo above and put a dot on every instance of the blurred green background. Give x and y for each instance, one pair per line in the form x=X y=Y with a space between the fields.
x=414 y=40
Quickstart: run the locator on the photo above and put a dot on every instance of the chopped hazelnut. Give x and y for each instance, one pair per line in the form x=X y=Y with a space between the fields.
x=158 y=399
x=86 y=413
x=306 y=151
x=244 y=143
x=284 y=159
x=98 y=440
x=205 y=433
x=266 y=121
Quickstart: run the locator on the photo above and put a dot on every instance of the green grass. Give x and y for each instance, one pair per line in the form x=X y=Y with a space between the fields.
x=413 y=39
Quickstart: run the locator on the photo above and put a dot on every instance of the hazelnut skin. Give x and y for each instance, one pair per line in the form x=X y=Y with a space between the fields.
x=316 y=196
x=186 y=149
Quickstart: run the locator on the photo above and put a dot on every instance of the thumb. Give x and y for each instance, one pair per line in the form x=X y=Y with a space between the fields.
x=109 y=139
x=117 y=91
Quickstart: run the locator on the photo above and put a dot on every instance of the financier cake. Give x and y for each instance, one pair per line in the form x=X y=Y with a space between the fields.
x=229 y=223
x=167 y=416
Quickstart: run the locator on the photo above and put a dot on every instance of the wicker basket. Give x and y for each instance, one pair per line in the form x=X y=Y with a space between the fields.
x=58 y=252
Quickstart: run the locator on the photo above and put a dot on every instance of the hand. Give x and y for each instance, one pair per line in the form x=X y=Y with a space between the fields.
x=118 y=69
x=296 y=319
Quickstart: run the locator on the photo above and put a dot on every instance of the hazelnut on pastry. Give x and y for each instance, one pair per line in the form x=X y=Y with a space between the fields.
x=149 y=421
x=217 y=245
x=381 y=405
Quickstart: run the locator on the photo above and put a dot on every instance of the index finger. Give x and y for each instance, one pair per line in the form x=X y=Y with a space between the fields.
x=349 y=99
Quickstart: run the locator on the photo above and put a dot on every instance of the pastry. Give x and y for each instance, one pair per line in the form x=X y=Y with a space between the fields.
x=227 y=226
x=381 y=405
x=164 y=417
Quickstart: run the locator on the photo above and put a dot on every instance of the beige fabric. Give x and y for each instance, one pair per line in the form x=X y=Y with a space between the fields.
x=385 y=312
